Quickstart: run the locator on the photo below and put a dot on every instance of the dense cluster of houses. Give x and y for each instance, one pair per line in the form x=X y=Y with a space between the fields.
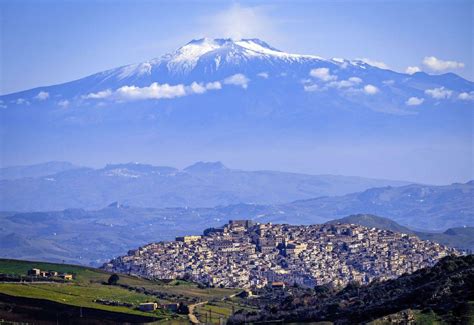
x=243 y=254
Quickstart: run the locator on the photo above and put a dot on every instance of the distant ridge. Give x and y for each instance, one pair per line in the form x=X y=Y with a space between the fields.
x=129 y=227
x=202 y=166
x=202 y=184
x=459 y=237
x=417 y=206
x=36 y=170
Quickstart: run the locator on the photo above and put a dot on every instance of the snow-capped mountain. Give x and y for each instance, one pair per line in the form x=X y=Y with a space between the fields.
x=213 y=97
x=207 y=60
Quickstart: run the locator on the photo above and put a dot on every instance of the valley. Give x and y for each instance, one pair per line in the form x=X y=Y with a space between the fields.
x=439 y=213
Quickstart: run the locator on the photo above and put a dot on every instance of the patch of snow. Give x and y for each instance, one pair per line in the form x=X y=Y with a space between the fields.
x=121 y=172
x=258 y=49
x=186 y=57
x=135 y=70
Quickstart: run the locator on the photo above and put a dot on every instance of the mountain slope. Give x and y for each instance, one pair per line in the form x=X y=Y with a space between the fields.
x=242 y=99
x=415 y=206
x=36 y=170
x=199 y=185
x=460 y=237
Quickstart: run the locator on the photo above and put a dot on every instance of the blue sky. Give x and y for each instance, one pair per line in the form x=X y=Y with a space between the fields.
x=49 y=42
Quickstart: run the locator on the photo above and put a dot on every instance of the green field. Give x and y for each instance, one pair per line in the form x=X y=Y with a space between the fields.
x=218 y=309
x=191 y=290
x=89 y=284
x=81 y=274
x=80 y=295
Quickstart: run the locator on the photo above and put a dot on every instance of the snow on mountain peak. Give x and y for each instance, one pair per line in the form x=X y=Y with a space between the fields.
x=195 y=49
x=186 y=58
x=215 y=51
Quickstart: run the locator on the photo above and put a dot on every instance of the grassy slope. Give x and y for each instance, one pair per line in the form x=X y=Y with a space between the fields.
x=78 y=295
x=216 y=310
x=87 y=286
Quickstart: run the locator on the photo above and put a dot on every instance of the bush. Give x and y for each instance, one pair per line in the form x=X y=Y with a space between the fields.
x=113 y=279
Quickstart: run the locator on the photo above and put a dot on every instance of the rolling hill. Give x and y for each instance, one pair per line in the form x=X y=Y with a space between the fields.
x=418 y=207
x=372 y=221
x=461 y=237
x=92 y=237
x=203 y=184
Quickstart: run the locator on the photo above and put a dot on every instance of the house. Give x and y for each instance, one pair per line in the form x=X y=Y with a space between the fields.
x=172 y=307
x=34 y=272
x=188 y=239
x=278 y=285
x=240 y=225
x=66 y=276
x=148 y=306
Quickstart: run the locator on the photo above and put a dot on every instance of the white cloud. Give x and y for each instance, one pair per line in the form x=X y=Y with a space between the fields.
x=215 y=85
x=21 y=101
x=355 y=80
x=351 y=82
x=154 y=91
x=159 y=91
x=438 y=65
x=263 y=75
x=63 y=103
x=378 y=64
x=414 y=101
x=237 y=80
x=322 y=73
x=238 y=21
x=370 y=89
x=311 y=87
x=389 y=82
x=439 y=93
x=42 y=95
x=412 y=70
x=99 y=95
x=325 y=75
x=466 y=96
x=197 y=88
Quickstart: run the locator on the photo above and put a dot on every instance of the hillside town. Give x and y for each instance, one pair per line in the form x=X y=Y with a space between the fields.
x=250 y=255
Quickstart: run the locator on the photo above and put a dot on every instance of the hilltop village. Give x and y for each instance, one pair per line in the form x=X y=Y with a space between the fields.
x=247 y=255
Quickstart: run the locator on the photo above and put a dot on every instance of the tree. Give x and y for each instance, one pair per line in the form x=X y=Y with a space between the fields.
x=113 y=279
x=183 y=309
